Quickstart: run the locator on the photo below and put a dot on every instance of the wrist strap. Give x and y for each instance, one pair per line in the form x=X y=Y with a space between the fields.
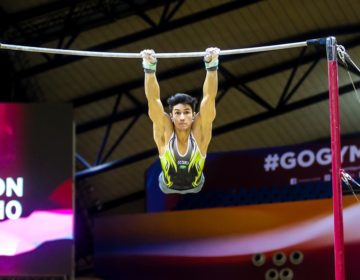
x=212 y=65
x=149 y=67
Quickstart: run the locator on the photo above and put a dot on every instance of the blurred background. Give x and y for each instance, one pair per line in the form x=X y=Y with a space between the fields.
x=271 y=99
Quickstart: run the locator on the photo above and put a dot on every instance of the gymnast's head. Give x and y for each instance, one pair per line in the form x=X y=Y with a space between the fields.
x=181 y=98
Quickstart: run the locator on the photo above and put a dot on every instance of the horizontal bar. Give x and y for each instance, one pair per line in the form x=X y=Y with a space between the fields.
x=158 y=55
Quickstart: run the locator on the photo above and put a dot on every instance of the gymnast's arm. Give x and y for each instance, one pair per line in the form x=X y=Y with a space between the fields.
x=161 y=120
x=207 y=106
x=207 y=113
x=152 y=92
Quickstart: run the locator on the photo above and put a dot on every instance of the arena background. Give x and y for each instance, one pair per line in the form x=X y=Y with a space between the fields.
x=265 y=100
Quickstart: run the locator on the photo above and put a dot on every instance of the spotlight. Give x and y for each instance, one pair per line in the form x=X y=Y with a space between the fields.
x=296 y=257
x=279 y=258
x=286 y=274
x=272 y=274
x=258 y=259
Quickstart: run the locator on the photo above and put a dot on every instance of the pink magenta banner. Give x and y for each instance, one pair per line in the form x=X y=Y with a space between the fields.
x=36 y=190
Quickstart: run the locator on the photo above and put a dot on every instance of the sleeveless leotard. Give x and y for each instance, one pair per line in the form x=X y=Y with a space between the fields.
x=182 y=173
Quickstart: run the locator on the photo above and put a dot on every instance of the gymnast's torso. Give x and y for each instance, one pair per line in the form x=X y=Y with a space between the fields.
x=181 y=173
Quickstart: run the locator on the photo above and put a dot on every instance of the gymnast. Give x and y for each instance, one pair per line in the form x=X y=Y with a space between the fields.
x=182 y=136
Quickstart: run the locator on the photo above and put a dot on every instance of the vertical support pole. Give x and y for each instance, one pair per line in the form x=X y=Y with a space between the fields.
x=339 y=252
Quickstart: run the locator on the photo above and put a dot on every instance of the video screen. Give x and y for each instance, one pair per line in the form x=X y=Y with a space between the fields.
x=36 y=189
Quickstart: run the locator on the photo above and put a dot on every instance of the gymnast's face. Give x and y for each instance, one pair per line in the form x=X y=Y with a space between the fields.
x=182 y=116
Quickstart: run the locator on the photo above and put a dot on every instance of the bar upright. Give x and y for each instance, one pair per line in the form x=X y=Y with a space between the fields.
x=339 y=252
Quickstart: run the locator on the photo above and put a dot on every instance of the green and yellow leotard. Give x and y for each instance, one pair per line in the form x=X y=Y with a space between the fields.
x=182 y=173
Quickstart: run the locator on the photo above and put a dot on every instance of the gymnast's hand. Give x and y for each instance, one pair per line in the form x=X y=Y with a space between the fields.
x=149 y=60
x=148 y=56
x=211 y=54
x=211 y=59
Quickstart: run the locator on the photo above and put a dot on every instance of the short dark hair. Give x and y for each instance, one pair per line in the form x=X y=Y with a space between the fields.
x=181 y=98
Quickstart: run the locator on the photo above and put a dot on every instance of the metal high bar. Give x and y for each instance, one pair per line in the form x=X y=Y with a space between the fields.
x=157 y=55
